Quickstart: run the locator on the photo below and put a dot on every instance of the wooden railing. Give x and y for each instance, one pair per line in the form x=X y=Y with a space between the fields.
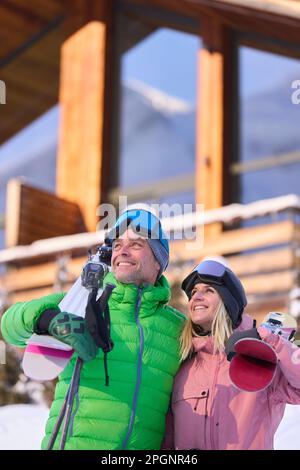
x=266 y=256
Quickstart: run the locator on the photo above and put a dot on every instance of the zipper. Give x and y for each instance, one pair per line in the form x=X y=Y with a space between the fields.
x=205 y=420
x=213 y=387
x=196 y=404
x=139 y=369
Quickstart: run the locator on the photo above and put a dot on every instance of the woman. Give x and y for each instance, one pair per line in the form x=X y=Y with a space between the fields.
x=207 y=410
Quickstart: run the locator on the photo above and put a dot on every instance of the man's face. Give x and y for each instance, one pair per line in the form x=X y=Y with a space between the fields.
x=133 y=260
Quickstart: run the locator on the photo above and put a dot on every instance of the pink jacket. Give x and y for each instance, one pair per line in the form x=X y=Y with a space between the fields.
x=208 y=412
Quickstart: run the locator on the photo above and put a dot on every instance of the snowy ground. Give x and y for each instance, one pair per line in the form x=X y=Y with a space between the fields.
x=288 y=434
x=22 y=427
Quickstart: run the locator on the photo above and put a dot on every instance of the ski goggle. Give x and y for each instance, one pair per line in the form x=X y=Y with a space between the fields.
x=226 y=283
x=208 y=271
x=142 y=222
x=211 y=268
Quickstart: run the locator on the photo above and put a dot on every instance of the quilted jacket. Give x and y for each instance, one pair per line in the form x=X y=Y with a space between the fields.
x=130 y=412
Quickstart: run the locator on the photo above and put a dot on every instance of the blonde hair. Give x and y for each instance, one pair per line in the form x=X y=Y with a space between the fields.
x=221 y=330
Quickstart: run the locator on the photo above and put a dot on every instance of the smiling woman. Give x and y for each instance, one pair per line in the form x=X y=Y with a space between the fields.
x=203 y=305
x=207 y=410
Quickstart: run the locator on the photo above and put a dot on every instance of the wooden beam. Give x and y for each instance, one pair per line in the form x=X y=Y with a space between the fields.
x=21 y=24
x=282 y=8
x=214 y=103
x=235 y=241
x=179 y=7
x=209 y=155
x=44 y=274
x=282 y=281
x=262 y=19
x=33 y=73
x=265 y=284
x=276 y=19
x=31 y=294
x=85 y=67
x=262 y=262
x=12 y=213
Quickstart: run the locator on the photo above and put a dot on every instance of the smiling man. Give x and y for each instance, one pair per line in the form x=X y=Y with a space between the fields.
x=133 y=261
x=130 y=412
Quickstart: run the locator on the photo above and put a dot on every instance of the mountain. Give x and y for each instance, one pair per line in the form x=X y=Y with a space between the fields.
x=269 y=127
x=157 y=135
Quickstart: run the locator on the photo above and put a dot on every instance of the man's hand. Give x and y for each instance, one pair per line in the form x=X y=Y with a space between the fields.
x=72 y=330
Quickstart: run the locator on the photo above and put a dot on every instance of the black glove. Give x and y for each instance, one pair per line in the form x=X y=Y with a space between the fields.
x=236 y=336
x=70 y=329
x=41 y=326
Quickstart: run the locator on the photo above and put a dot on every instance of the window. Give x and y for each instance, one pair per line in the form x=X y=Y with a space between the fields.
x=156 y=154
x=30 y=154
x=269 y=151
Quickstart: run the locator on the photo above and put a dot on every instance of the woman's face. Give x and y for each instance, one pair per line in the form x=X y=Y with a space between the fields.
x=203 y=305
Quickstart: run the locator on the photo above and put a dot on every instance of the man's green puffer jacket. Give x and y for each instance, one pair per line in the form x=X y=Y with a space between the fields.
x=130 y=412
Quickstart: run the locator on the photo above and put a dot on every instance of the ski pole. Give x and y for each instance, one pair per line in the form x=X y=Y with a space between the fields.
x=70 y=399
x=67 y=405
x=58 y=422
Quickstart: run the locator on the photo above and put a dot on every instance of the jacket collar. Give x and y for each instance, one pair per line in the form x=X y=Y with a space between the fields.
x=205 y=343
x=152 y=295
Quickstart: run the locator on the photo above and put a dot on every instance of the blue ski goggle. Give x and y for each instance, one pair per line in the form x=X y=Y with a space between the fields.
x=142 y=222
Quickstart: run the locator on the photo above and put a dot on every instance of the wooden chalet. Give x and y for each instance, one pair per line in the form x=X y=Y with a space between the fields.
x=68 y=52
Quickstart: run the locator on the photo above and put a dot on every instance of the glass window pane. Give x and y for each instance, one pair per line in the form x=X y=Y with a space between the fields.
x=31 y=154
x=269 y=131
x=157 y=119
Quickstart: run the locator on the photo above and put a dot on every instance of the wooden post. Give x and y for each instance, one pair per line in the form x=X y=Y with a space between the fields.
x=84 y=108
x=214 y=115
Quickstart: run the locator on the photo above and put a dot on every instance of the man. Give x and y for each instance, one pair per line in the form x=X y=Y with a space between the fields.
x=129 y=413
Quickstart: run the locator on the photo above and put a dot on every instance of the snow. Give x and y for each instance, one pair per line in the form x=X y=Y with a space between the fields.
x=287 y=436
x=158 y=99
x=22 y=427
